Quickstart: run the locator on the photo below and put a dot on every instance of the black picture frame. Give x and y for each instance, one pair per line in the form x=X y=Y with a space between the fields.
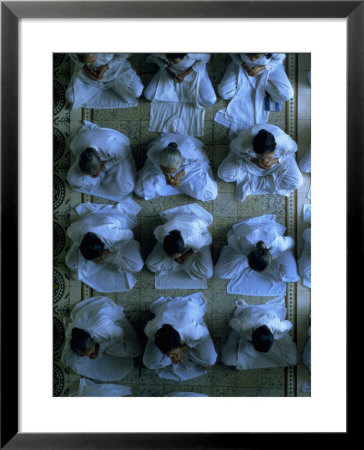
x=11 y=12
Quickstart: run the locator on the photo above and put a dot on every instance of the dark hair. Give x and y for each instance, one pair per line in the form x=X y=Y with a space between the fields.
x=267 y=55
x=81 y=341
x=83 y=56
x=259 y=257
x=167 y=338
x=173 y=243
x=89 y=161
x=176 y=55
x=264 y=142
x=262 y=339
x=91 y=246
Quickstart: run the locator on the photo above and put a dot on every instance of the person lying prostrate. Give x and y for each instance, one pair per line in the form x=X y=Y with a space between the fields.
x=259 y=337
x=105 y=165
x=182 y=257
x=261 y=161
x=258 y=259
x=255 y=83
x=104 y=252
x=100 y=342
x=179 y=93
x=179 y=345
x=103 y=81
x=176 y=164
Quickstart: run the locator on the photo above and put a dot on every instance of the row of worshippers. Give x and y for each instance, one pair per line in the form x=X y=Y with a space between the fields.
x=258 y=258
x=254 y=84
x=101 y=343
x=261 y=160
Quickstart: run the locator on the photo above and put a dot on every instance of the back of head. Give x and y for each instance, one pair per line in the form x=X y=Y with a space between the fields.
x=84 y=57
x=264 y=142
x=176 y=55
x=91 y=246
x=173 y=243
x=81 y=341
x=89 y=161
x=167 y=338
x=170 y=157
x=262 y=339
x=259 y=257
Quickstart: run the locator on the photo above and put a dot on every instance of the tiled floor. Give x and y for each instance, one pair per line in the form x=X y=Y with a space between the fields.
x=220 y=380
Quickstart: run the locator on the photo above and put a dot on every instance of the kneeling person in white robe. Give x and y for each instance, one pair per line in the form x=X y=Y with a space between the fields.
x=176 y=164
x=255 y=83
x=178 y=92
x=179 y=345
x=103 y=81
x=182 y=257
x=262 y=161
x=105 y=165
x=259 y=338
x=104 y=252
x=258 y=259
x=100 y=341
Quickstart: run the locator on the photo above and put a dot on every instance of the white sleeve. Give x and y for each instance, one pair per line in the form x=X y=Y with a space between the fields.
x=159 y=59
x=236 y=58
x=200 y=61
x=276 y=60
x=158 y=260
x=107 y=331
x=194 y=333
x=282 y=243
x=119 y=58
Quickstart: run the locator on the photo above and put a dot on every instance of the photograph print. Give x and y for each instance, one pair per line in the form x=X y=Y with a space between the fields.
x=182 y=224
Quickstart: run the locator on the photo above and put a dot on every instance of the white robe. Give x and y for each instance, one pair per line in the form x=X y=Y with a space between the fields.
x=304 y=261
x=119 y=87
x=111 y=223
x=179 y=107
x=197 y=182
x=105 y=321
x=233 y=261
x=305 y=161
x=247 y=93
x=282 y=178
x=118 y=177
x=185 y=315
x=88 y=388
x=192 y=221
x=306 y=359
x=239 y=352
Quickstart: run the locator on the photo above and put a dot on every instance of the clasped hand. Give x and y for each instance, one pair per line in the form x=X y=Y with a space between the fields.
x=177 y=77
x=176 y=354
x=176 y=180
x=96 y=74
x=183 y=258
